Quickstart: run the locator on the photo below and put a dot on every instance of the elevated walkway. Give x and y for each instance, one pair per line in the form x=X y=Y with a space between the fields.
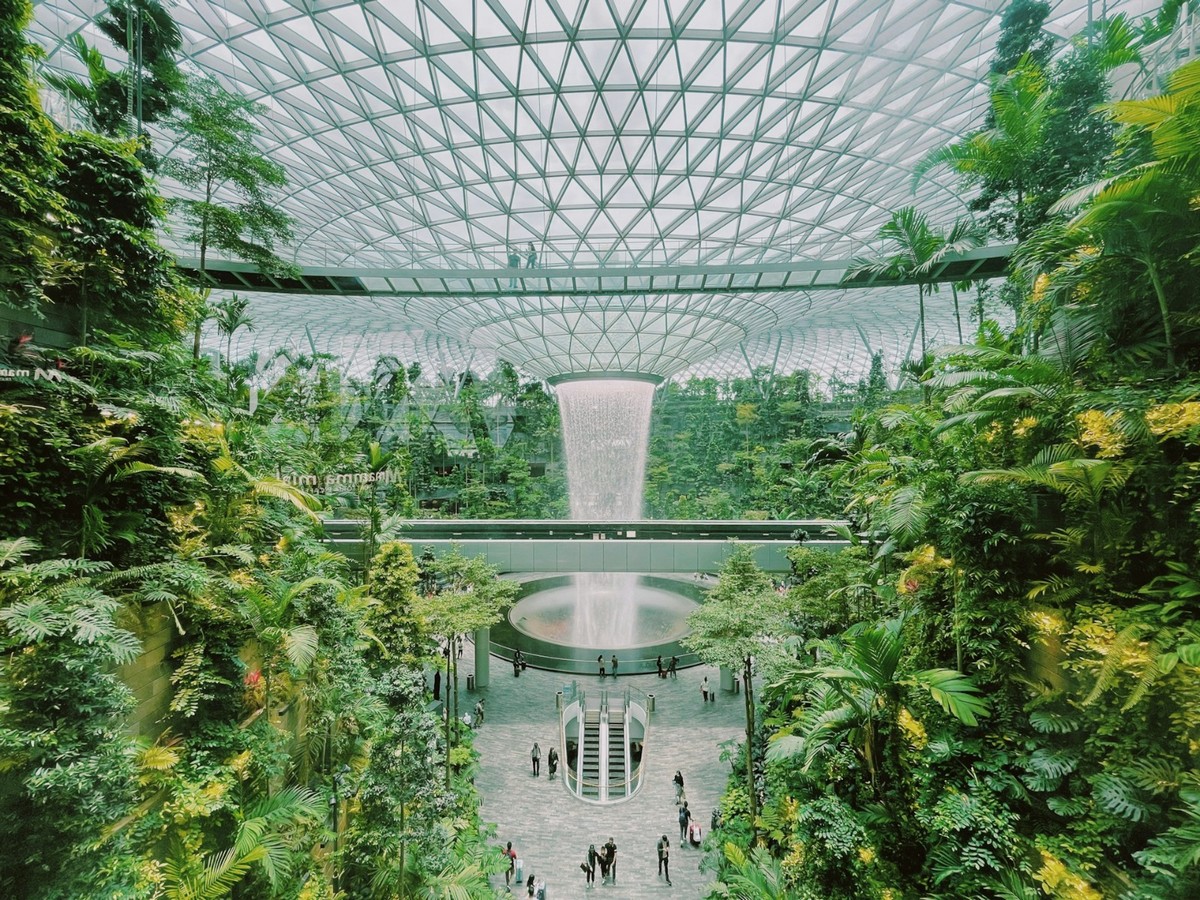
x=653 y=547
x=610 y=278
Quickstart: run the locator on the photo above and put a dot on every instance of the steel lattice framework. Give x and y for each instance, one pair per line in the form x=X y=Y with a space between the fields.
x=448 y=134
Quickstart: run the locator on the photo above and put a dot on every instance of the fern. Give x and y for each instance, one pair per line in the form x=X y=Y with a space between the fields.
x=1113 y=664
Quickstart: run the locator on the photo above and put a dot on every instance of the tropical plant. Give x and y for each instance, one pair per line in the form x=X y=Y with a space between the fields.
x=103 y=466
x=64 y=750
x=756 y=875
x=268 y=605
x=855 y=695
x=231 y=314
x=28 y=168
x=263 y=838
x=917 y=249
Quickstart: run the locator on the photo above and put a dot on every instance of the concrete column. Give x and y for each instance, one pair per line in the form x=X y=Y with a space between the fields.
x=726 y=679
x=483 y=657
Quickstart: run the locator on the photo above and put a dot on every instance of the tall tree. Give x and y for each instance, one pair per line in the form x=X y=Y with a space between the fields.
x=916 y=248
x=1022 y=35
x=119 y=103
x=999 y=158
x=218 y=160
x=231 y=314
x=741 y=616
x=469 y=596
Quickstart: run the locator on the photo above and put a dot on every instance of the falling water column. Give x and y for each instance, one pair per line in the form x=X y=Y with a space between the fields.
x=606 y=433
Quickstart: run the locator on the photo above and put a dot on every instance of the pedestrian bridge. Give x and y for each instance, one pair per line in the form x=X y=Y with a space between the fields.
x=610 y=277
x=563 y=546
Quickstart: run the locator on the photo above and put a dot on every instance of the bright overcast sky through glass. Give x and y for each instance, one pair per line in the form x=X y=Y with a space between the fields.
x=616 y=136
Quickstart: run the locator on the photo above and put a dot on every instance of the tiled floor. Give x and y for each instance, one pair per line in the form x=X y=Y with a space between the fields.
x=551 y=829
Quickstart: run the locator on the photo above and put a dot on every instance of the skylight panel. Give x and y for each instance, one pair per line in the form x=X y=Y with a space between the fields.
x=434 y=30
x=804 y=18
x=485 y=23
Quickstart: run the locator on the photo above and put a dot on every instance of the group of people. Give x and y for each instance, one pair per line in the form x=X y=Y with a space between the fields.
x=514 y=257
x=535 y=884
x=519 y=664
x=690 y=831
x=671 y=669
x=600 y=663
x=535 y=756
x=605 y=858
x=514 y=261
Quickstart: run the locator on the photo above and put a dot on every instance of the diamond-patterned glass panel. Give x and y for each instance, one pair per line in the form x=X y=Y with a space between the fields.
x=424 y=134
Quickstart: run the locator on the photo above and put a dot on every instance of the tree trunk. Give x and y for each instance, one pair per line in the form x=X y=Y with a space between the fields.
x=957 y=312
x=448 y=720
x=203 y=264
x=921 y=316
x=925 y=393
x=403 y=789
x=748 y=677
x=83 y=310
x=1163 y=312
x=454 y=666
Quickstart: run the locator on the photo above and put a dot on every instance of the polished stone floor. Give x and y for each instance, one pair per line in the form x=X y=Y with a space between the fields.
x=551 y=829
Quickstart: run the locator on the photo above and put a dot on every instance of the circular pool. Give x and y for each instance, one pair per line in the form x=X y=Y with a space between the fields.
x=563 y=622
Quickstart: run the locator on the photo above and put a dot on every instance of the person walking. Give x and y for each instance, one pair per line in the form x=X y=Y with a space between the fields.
x=517 y=664
x=591 y=865
x=536 y=756
x=664 y=858
x=674 y=665
x=685 y=817
x=552 y=761
x=610 y=853
x=512 y=864
x=531 y=257
x=514 y=262
x=678 y=780
x=600 y=661
x=614 y=664
x=659 y=664
x=479 y=711
x=704 y=689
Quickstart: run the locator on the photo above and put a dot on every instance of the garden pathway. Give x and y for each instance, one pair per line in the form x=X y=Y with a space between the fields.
x=551 y=829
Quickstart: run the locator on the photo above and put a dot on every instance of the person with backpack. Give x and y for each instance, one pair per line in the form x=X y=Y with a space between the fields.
x=685 y=817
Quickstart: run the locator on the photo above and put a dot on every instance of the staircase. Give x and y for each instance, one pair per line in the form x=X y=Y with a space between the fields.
x=618 y=786
x=589 y=756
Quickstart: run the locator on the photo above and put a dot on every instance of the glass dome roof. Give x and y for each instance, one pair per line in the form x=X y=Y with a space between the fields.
x=428 y=134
